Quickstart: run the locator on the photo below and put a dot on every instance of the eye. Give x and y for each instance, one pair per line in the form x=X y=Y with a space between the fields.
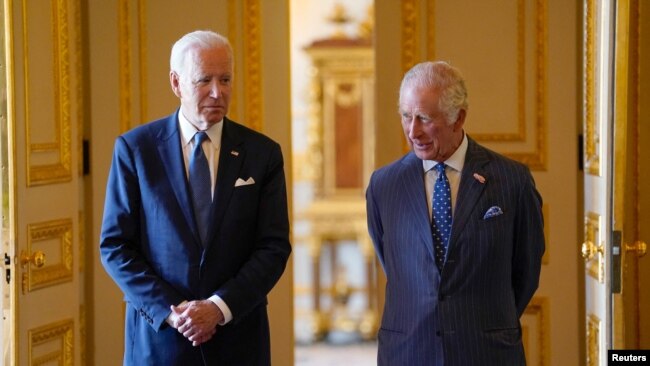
x=202 y=80
x=225 y=80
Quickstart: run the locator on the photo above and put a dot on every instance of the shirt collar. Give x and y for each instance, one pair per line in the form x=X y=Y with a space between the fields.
x=188 y=131
x=455 y=161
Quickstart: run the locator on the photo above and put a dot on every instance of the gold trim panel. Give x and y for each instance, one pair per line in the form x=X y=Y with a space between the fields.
x=592 y=126
x=61 y=332
x=51 y=273
x=593 y=340
x=124 y=52
x=410 y=33
x=431 y=29
x=539 y=309
x=253 y=64
x=60 y=171
x=233 y=37
x=596 y=266
x=520 y=135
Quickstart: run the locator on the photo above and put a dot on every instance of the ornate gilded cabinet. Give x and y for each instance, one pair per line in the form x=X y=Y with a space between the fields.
x=341 y=154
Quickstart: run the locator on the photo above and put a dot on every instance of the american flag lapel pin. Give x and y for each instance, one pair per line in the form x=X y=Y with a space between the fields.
x=234 y=153
x=479 y=178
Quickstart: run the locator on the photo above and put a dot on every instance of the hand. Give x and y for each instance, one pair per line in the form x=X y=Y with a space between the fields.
x=196 y=320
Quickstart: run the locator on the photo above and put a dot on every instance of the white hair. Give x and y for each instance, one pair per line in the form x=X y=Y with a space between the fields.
x=439 y=75
x=200 y=39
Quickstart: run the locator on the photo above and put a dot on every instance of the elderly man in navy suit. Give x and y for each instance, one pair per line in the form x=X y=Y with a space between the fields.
x=195 y=229
x=458 y=230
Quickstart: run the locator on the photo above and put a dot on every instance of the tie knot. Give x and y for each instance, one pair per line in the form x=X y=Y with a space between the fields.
x=440 y=168
x=199 y=137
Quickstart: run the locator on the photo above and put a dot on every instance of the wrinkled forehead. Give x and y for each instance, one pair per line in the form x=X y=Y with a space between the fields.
x=201 y=57
x=415 y=95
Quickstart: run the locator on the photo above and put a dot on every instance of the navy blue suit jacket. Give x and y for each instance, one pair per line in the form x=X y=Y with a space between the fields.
x=468 y=314
x=150 y=245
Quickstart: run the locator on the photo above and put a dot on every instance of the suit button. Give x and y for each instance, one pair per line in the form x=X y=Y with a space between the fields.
x=438 y=333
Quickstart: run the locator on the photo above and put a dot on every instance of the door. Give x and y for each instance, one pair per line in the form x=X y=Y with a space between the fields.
x=616 y=188
x=40 y=152
x=631 y=200
x=598 y=176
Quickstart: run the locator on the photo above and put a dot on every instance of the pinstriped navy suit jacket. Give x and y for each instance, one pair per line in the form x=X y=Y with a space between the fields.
x=468 y=314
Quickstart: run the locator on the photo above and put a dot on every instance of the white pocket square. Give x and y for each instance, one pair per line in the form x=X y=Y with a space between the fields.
x=240 y=182
x=492 y=212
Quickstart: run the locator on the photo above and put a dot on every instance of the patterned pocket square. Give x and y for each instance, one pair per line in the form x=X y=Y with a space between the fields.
x=240 y=182
x=492 y=212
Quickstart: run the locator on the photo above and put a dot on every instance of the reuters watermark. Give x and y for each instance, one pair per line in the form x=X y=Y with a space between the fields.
x=628 y=357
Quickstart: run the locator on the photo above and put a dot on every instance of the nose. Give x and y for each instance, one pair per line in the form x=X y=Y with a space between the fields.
x=413 y=128
x=214 y=90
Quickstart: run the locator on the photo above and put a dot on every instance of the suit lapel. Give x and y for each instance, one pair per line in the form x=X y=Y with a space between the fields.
x=231 y=157
x=171 y=154
x=470 y=189
x=413 y=176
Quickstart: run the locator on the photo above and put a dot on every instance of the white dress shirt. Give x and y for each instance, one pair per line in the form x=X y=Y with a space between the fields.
x=211 y=149
x=454 y=168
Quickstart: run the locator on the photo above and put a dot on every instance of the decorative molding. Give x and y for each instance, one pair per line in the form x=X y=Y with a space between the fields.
x=535 y=160
x=125 y=67
x=126 y=36
x=431 y=29
x=50 y=274
x=82 y=334
x=60 y=334
x=142 y=59
x=80 y=98
x=82 y=242
x=234 y=38
x=520 y=135
x=593 y=340
x=60 y=171
x=539 y=309
x=252 y=23
x=410 y=44
x=592 y=125
x=410 y=34
x=596 y=266
x=410 y=28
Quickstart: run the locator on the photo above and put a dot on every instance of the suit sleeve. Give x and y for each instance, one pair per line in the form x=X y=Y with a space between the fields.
x=264 y=267
x=529 y=244
x=120 y=242
x=375 y=228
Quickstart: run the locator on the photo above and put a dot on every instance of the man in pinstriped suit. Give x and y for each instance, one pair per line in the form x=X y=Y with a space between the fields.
x=465 y=310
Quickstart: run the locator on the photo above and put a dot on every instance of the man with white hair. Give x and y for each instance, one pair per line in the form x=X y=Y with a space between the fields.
x=195 y=229
x=458 y=230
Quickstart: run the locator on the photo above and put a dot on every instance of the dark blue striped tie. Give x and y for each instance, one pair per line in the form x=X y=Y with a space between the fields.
x=441 y=213
x=200 y=186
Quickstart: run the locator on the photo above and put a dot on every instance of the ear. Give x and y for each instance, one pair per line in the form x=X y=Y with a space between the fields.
x=174 y=80
x=460 y=121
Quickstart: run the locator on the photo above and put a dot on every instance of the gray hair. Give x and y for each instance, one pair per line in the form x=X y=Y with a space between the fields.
x=200 y=39
x=441 y=76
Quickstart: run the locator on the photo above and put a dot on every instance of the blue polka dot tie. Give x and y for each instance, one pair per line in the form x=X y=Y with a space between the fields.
x=441 y=212
x=200 y=186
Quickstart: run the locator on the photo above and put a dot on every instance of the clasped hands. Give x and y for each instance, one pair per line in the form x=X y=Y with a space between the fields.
x=196 y=320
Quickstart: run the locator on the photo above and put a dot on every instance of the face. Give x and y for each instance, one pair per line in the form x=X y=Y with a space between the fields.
x=204 y=86
x=426 y=127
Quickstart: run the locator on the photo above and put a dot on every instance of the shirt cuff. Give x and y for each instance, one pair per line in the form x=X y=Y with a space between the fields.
x=169 y=317
x=227 y=315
